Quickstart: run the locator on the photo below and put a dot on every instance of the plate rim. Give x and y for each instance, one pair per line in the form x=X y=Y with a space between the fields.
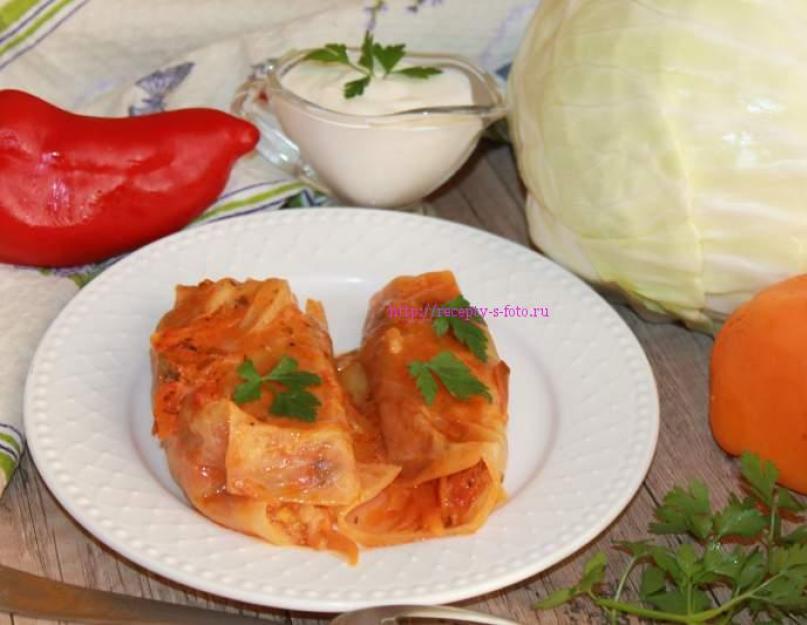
x=453 y=594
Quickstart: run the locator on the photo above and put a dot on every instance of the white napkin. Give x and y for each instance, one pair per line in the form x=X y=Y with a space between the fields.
x=28 y=303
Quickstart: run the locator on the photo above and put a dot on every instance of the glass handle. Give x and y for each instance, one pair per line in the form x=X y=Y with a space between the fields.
x=251 y=102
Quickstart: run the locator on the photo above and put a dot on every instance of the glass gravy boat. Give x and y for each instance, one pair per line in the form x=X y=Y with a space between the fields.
x=389 y=161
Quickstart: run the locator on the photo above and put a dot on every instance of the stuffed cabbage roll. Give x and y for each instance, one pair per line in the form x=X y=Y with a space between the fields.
x=430 y=393
x=252 y=417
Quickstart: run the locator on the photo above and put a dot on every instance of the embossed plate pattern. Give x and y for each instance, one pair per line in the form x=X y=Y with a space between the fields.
x=583 y=411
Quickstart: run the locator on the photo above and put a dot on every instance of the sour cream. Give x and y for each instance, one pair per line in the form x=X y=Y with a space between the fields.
x=367 y=150
x=323 y=84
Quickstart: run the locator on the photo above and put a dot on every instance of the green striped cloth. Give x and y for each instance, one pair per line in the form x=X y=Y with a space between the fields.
x=10 y=452
x=135 y=57
x=23 y=20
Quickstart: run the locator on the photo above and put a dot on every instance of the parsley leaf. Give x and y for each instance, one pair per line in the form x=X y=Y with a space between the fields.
x=294 y=401
x=419 y=72
x=331 y=53
x=286 y=373
x=687 y=560
x=556 y=598
x=672 y=601
x=653 y=582
x=793 y=556
x=370 y=53
x=460 y=303
x=472 y=336
x=593 y=574
x=355 y=87
x=441 y=325
x=388 y=56
x=366 y=58
x=739 y=518
x=424 y=380
x=752 y=571
x=721 y=562
x=455 y=375
x=685 y=511
x=466 y=331
x=666 y=560
x=761 y=476
x=250 y=388
x=638 y=549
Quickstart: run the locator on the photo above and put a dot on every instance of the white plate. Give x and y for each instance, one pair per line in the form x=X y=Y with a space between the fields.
x=583 y=408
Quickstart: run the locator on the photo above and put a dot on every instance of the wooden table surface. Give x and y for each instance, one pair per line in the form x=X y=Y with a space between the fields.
x=38 y=536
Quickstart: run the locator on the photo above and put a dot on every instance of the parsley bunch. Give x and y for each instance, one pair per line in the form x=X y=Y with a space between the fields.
x=294 y=402
x=742 y=548
x=372 y=54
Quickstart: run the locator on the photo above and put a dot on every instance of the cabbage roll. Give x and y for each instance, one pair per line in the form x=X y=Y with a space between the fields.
x=271 y=472
x=451 y=447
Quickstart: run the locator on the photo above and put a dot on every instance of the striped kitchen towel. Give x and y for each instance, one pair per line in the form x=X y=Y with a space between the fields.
x=10 y=451
x=130 y=57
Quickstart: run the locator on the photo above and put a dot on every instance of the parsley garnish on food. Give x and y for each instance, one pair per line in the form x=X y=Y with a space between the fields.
x=455 y=375
x=387 y=57
x=743 y=548
x=465 y=331
x=295 y=401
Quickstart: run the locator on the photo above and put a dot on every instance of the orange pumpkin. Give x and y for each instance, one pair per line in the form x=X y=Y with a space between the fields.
x=758 y=398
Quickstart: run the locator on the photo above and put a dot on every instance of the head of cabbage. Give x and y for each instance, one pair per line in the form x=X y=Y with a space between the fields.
x=663 y=144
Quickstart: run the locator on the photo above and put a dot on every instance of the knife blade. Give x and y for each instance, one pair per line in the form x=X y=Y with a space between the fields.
x=38 y=597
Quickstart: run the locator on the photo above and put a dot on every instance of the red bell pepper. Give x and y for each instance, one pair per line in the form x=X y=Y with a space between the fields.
x=76 y=189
